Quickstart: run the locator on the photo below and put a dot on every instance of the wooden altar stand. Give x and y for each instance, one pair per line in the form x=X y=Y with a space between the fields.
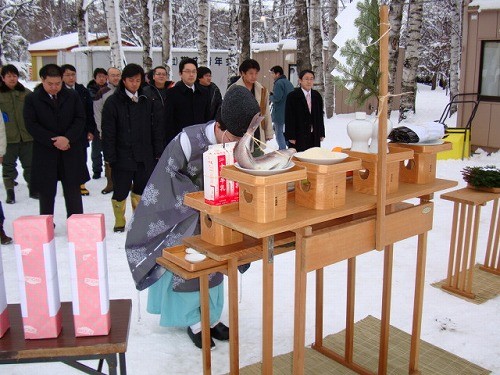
x=464 y=235
x=333 y=228
x=340 y=230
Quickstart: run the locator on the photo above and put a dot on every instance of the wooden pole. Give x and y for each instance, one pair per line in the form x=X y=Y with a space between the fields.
x=382 y=126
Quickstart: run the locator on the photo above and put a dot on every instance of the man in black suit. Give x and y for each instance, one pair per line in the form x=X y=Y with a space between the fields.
x=69 y=79
x=55 y=118
x=304 y=119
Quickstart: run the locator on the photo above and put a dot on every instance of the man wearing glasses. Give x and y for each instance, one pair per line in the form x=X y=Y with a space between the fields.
x=157 y=88
x=186 y=103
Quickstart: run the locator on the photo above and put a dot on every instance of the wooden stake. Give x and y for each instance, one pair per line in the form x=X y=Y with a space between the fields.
x=382 y=126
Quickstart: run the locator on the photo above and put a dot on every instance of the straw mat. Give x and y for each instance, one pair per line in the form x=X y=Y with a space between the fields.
x=433 y=360
x=485 y=285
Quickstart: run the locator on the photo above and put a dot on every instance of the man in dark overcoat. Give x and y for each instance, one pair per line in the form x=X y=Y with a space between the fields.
x=69 y=79
x=304 y=119
x=55 y=117
x=132 y=139
x=186 y=103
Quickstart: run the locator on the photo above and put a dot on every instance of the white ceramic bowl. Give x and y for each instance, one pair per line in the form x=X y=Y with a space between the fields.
x=265 y=172
x=195 y=258
x=323 y=157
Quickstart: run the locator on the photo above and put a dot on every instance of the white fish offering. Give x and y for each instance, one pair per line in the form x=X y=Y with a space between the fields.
x=273 y=160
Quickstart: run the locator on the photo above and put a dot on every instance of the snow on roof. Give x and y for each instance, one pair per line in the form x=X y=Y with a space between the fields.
x=261 y=47
x=130 y=48
x=61 y=42
x=485 y=4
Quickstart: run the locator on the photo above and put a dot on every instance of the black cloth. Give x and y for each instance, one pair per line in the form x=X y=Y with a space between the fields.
x=93 y=88
x=88 y=105
x=154 y=93
x=402 y=134
x=299 y=120
x=185 y=107
x=214 y=99
x=45 y=119
x=130 y=132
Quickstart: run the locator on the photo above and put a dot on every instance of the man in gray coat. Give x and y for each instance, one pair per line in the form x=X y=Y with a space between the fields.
x=282 y=87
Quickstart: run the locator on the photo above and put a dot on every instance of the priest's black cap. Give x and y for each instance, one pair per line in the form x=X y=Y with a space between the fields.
x=238 y=109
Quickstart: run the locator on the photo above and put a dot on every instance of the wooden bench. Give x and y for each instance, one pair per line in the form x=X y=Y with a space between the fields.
x=67 y=348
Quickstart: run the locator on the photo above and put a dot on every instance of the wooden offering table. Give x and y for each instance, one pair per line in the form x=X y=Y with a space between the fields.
x=67 y=348
x=322 y=237
x=464 y=234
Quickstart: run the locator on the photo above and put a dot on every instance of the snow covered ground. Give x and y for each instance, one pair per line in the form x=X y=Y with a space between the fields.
x=463 y=328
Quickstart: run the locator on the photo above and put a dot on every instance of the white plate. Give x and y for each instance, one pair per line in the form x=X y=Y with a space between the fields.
x=190 y=250
x=265 y=172
x=337 y=157
x=429 y=143
x=195 y=258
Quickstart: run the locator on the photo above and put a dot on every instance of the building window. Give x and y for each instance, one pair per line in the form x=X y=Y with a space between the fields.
x=489 y=88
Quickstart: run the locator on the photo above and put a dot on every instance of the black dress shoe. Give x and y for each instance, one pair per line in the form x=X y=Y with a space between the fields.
x=196 y=339
x=220 y=332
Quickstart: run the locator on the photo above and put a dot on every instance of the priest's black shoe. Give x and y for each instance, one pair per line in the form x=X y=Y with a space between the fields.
x=220 y=332
x=196 y=339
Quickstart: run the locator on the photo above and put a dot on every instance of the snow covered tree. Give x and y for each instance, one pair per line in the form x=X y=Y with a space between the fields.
x=361 y=72
x=166 y=43
x=147 y=18
x=331 y=63
x=81 y=9
x=11 y=39
x=281 y=20
x=409 y=81
x=302 y=36
x=233 y=39
x=316 y=39
x=455 y=46
x=395 y=17
x=203 y=32
x=117 y=58
x=244 y=26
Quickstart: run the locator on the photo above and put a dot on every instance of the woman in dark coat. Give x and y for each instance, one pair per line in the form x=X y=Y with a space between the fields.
x=55 y=118
x=305 y=126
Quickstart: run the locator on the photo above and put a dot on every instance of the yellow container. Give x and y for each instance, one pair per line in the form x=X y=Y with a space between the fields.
x=457 y=137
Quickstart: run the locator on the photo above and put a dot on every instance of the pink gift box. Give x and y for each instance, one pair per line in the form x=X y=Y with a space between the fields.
x=218 y=190
x=89 y=274
x=4 y=312
x=37 y=276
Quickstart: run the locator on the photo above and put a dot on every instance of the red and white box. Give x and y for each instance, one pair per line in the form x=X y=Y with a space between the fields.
x=218 y=190
x=37 y=276
x=4 y=312
x=89 y=274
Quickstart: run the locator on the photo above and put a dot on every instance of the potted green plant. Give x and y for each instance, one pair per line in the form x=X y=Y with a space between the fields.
x=482 y=178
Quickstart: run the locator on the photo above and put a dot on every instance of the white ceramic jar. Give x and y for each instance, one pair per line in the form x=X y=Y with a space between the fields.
x=360 y=131
x=373 y=148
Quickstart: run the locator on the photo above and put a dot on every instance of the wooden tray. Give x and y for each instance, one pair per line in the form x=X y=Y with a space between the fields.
x=176 y=255
x=349 y=164
x=232 y=173
x=196 y=200
x=424 y=149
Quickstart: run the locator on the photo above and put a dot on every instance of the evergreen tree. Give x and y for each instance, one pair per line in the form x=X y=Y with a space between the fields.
x=361 y=72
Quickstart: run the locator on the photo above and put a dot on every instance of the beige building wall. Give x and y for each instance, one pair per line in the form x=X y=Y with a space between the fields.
x=479 y=27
